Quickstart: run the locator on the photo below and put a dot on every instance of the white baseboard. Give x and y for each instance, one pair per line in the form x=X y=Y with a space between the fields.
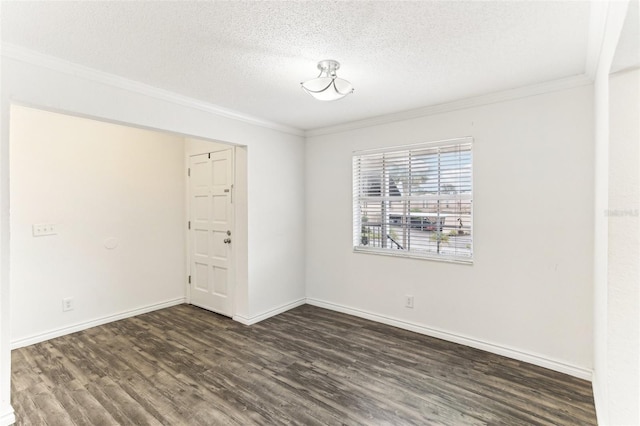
x=270 y=313
x=519 y=355
x=26 y=341
x=7 y=417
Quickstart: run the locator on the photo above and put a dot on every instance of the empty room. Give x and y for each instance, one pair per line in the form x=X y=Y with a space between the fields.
x=320 y=212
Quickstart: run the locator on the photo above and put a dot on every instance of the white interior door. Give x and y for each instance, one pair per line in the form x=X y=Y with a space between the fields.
x=210 y=233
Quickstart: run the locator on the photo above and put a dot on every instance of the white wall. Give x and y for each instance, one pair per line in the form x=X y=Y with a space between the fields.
x=275 y=172
x=276 y=180
x=601 y=241
x=95 y=181
x=529 y=291
x=623 y=327
x=605 y=382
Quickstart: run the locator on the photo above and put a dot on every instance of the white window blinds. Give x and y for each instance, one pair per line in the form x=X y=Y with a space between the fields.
x=415 y=200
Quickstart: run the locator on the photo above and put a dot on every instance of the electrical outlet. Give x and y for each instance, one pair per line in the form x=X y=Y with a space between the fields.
x=43 y=229
x=67 y=304
x=408 y=301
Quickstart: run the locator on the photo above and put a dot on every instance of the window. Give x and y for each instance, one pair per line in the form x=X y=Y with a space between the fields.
x=415 y=201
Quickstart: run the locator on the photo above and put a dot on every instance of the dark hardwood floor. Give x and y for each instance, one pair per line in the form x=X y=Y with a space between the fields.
x=308 y=366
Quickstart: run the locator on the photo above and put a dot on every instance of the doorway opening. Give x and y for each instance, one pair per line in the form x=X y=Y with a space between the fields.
x=99 y=222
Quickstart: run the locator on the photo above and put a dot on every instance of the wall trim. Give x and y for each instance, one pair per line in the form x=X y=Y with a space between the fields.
x=22 y=54
x=63 y=331
x=270 y=313
x=490 y=98
x=8 y=417
x=60 y=65
x=531 y=358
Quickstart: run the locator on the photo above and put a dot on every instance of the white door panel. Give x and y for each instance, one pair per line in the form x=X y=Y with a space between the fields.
x=211 y=211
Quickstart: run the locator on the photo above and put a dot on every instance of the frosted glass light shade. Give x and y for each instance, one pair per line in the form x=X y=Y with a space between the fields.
x=327 y=86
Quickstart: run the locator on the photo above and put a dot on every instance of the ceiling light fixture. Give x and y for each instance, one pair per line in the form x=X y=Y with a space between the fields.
x=327 y=86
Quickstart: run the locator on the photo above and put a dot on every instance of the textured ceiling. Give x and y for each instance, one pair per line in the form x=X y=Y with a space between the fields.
x=251 y=56
x=628 y=50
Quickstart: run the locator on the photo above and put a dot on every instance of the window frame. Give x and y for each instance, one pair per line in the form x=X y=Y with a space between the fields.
x=424 y=255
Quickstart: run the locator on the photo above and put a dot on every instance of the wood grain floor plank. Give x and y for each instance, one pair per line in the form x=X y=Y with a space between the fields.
x=188 y=394
x=49 y=406
x=27 y=413
x=187 y=366
x=24 y=372
x=75 y=411
x=262 y=390
x=91 y=411
x=448 y=367
x=331 y=355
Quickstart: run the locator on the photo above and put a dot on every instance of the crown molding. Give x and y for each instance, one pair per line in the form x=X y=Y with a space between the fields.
x=490 y=98
x=53 y=63
x=60 y=65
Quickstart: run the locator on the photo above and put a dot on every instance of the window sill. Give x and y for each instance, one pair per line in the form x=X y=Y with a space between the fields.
x=401 y=253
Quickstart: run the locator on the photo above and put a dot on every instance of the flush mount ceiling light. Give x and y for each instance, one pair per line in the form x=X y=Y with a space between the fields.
x=327 y=86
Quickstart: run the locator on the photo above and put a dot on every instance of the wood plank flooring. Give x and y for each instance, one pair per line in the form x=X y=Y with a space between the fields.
x=308 y=366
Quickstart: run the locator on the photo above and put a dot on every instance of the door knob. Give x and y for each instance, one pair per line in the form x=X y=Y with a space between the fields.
x=227 y=240
x=229 y=233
